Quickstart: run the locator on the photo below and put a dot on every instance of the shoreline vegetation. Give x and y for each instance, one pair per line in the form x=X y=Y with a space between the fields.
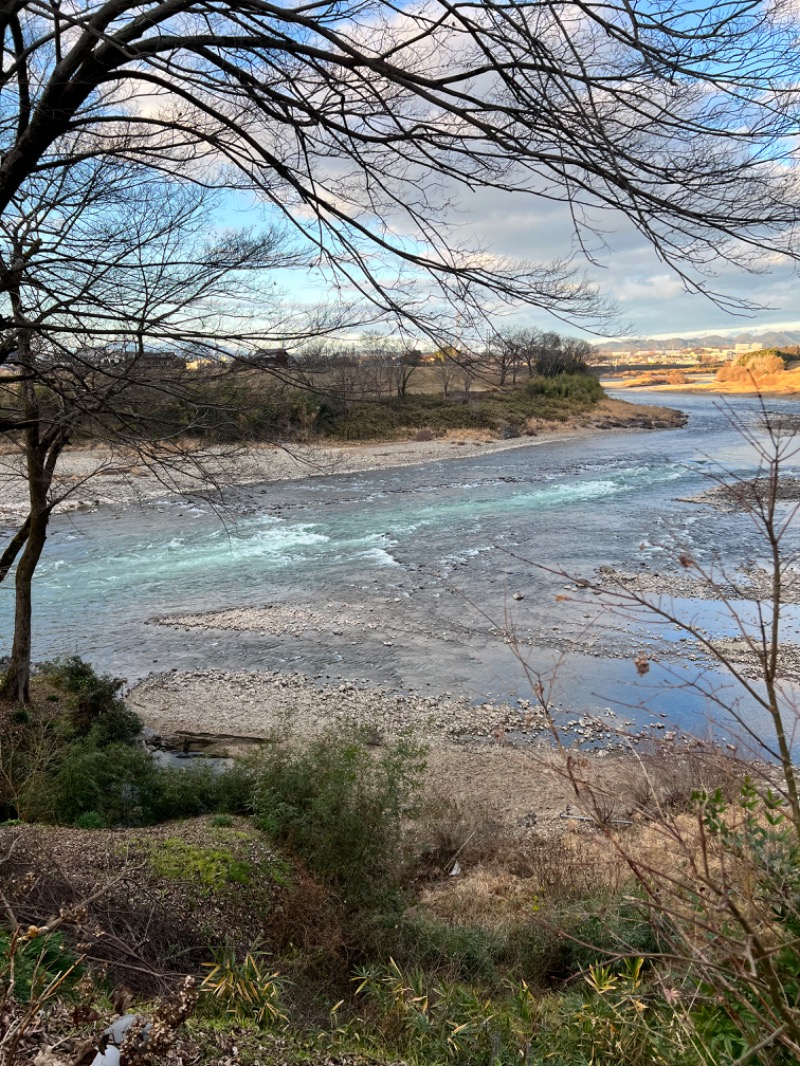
x=789 y=385
x=331 y=872
x=356 y=877
x=767 y=372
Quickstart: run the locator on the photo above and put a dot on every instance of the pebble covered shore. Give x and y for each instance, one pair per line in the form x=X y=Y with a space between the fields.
x=489 y=765
x=272 y=705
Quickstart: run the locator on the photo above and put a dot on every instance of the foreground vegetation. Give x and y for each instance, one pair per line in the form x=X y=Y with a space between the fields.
x=308 y=892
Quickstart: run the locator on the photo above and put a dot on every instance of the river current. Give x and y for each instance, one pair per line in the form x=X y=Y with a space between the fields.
x=442 y=558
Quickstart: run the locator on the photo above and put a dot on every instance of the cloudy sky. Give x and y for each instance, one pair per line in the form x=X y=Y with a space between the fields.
x=652 y=299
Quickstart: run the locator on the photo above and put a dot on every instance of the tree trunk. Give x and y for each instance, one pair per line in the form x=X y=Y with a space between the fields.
x=13 y=548
x=40 y=457
x=16 y=685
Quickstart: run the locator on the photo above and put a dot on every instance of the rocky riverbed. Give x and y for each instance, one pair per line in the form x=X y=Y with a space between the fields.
x=242 y=706
x=689 y=582
x=488 y=765
x=749 y=495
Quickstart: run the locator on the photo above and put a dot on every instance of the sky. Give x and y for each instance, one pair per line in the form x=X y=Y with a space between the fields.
x=652 y=299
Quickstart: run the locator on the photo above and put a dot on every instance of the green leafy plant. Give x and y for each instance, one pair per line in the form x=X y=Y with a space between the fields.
x=35 y=968
x=93 y=703
x=447 y=1021
x=245 y=987
x=212 y=868
x=341 y=807
x=30 y=964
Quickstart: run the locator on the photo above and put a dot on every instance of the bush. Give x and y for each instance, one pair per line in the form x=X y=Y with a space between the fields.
x=764 y=367
x=34 y=963
x=121 y=785
x=417 y=939
x=75 y=759
x=584 y=388
x=74 y=706
x=93 y=701
x=548 y=948
x=248 y=988
x=341 y=808
x=764 y=361
x=591 y=936
x=115 y=784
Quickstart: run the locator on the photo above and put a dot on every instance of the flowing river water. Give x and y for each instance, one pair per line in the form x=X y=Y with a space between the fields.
x=429 y=563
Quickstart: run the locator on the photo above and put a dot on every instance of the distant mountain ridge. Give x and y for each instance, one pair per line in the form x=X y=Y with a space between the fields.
x=770 y=338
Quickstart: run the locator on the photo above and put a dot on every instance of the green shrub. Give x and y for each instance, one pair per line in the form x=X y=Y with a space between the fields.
x=181 y=792
x=454 y=952
x=436 y=1021
x=116 y=783
x=93 y=701
x=210 y=868
x=544 y=951
x=341 y=808
x=90 y=820
x=121 y=785
x=200 y=788
x=583 y=388
x=246 y=988
x=764 y=359
x=222 y=821
x=590 y=936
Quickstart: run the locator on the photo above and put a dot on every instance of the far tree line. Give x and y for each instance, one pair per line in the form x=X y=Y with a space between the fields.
x=379 y=366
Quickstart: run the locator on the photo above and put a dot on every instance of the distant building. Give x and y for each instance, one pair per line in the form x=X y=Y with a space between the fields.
x=125 y=360
x=268 y=358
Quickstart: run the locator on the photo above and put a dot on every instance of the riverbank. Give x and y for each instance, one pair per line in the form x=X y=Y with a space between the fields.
x=89 y=478
x=475 y=762
x=786 y=383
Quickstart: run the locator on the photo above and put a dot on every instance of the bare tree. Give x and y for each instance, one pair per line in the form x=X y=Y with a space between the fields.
x=402 y=368
x=547 y=354
x=392 y=363
x=447 y=366
x=502 y=356
x=362 y=123
x=112 y=289
x=556 y=355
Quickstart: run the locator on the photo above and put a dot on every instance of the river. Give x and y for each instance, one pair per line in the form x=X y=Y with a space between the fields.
x=438 y=558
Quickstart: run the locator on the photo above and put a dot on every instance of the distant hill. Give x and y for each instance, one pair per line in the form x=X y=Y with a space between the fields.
x=770 y=338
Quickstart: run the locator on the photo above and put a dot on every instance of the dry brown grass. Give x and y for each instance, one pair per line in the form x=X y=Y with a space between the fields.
x=509 y=890
x=624 y=818
x=786 y=383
